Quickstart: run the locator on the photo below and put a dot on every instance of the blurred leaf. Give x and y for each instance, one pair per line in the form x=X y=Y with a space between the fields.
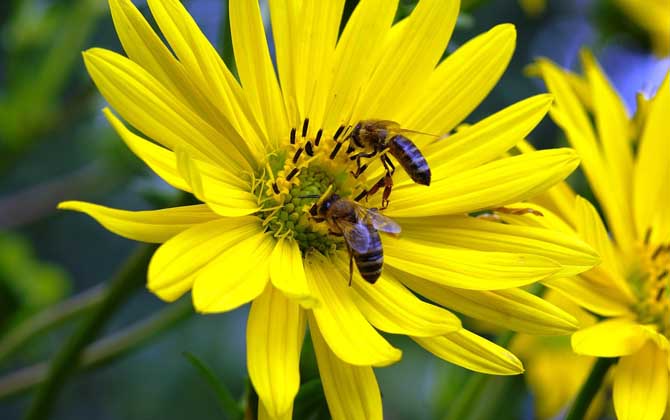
x=223 y=394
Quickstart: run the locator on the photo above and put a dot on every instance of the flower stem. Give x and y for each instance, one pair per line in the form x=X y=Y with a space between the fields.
x=590 y=388
x=130 y=278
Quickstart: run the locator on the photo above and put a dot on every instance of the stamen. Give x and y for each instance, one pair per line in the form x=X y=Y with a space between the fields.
x=305 y=126
x=297 y=155
x=275 y=188
x=317 y=140
x=362 y=195
x=662 y=275
x=339 y=131
x=308 y=148
x=657 y=252
x=659 y=294
x=293 y=173
x=337 y=148
x=647 y=236
x=350 y=149
x=293 y=135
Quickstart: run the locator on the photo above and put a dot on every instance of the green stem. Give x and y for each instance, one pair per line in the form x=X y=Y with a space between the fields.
x=130 y=278
x=49 y=318
x=590 y=388
x=104 y=350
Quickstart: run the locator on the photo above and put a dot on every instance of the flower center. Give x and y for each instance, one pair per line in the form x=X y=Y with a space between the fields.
x=653 y=280
x=296 y=176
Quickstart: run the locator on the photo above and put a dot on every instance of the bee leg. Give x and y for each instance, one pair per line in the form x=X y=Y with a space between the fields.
x=376 y=187
x=388 y=186
x=351 y=262
x=363 y=194
x=387 y=161
x=359 y=171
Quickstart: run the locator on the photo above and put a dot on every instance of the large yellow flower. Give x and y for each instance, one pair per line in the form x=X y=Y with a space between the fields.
x=627 y=164
x=256 y=152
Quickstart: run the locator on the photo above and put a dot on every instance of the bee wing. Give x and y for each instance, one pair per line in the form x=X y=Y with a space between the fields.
x=408 y=131
x=381 y=222
x=357 y=235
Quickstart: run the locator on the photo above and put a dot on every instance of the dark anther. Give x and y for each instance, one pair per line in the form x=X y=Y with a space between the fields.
x=293 y=135
x=659 y=294
x=362 y=195
x=337 y=148
x=297 y=155
x=308 y=148
x=647 y=236
x=339 y=131
x=305 y=126
x=657 y=252
x=317 y=140
x=350 y=149
x=275 y=188
x=662 y=275
x=291 y=174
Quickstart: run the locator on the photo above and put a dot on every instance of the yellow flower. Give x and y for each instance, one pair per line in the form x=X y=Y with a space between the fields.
x=627 y=164
x=654 y=17
x=256 y=153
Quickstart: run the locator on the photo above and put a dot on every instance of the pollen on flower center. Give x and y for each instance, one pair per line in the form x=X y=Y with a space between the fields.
x=653 y=281
x=293 y=179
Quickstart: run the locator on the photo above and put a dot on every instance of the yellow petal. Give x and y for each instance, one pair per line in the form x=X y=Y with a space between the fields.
x=176 y=263
x=494 y=184
x=422 y=38
x=389 y=306
x=465 y=268
x=514 y=309
x=641 y=384
x=155 y=111
x=213 y=79
x=264 y=415
x=348 y=334
x=610 y=338
x=461 y=82
x=255 y=67
x=482 y=235
x=288 y=274
x=238 y=275
x=473 y=352
x=651 y=174
x=154 y=226
x=351 y=392
x=598 y=298
x=275 y=332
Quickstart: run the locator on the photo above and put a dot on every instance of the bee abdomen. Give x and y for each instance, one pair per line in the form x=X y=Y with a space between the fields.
x=370 y=264
x=410 y=158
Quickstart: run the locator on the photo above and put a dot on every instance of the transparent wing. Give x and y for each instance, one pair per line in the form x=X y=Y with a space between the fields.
x=408 y=131
x=377 y=220
x=357 y=235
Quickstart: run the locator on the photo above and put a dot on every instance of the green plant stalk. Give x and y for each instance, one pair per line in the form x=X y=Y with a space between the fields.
x=590 y=388
x=130 y=278
x=104 y=350
x=224 y=396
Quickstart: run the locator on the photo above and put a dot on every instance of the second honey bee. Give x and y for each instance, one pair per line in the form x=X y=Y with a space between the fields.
x=383 y=137
x=360 y=228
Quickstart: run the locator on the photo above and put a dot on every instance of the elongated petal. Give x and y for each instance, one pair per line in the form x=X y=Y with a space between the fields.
x=288 y=274
x=389 y=306
x=155 y=111
x=263 y=413
x=482 y=235
x=176 y=263
x=284 y=15
x=351 y=392
x=154 y=226
x=461 y=81
x=255 y=67
x=610 y=338
x=467 y=269
x=641 y=384
x=422 y=37
x=275 y=331
x=495 y=184
x=598 y=298
x=512 y=308
x=473 y=352
x=237 y=276
x=345 y=329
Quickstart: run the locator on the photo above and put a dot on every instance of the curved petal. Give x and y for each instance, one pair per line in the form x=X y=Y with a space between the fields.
x=237 y=276
x=478 y=234
x=473 y=352
x=175 y=264
x=351 y=392
x=514 y=309
x=389 y=306
x=461 y=82
x=465 y=268
x=491 y=185
x=595 y=297
x=641 y=384
x=153 y=226
x=345 y=329
x=275 y=332
x=610 y=338
x=288 y=273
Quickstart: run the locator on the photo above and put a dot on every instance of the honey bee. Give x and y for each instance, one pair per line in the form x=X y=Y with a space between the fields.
x=360 y=228
x=383 y=137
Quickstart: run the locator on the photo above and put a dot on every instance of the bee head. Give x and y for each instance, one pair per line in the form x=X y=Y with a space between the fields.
x=356 y=134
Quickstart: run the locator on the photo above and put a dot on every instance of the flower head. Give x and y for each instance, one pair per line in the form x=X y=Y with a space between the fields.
x=261 y=151
x=627 y=164
x=654 y=17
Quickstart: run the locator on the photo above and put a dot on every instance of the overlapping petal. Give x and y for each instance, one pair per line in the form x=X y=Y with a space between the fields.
x=288 y=273
x=610 y=338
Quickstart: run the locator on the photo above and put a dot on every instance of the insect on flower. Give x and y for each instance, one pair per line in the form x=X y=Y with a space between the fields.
x=359 y=227
x=383 y=137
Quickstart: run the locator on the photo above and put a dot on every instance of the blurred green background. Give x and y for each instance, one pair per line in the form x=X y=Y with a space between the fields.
x=55 y=146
